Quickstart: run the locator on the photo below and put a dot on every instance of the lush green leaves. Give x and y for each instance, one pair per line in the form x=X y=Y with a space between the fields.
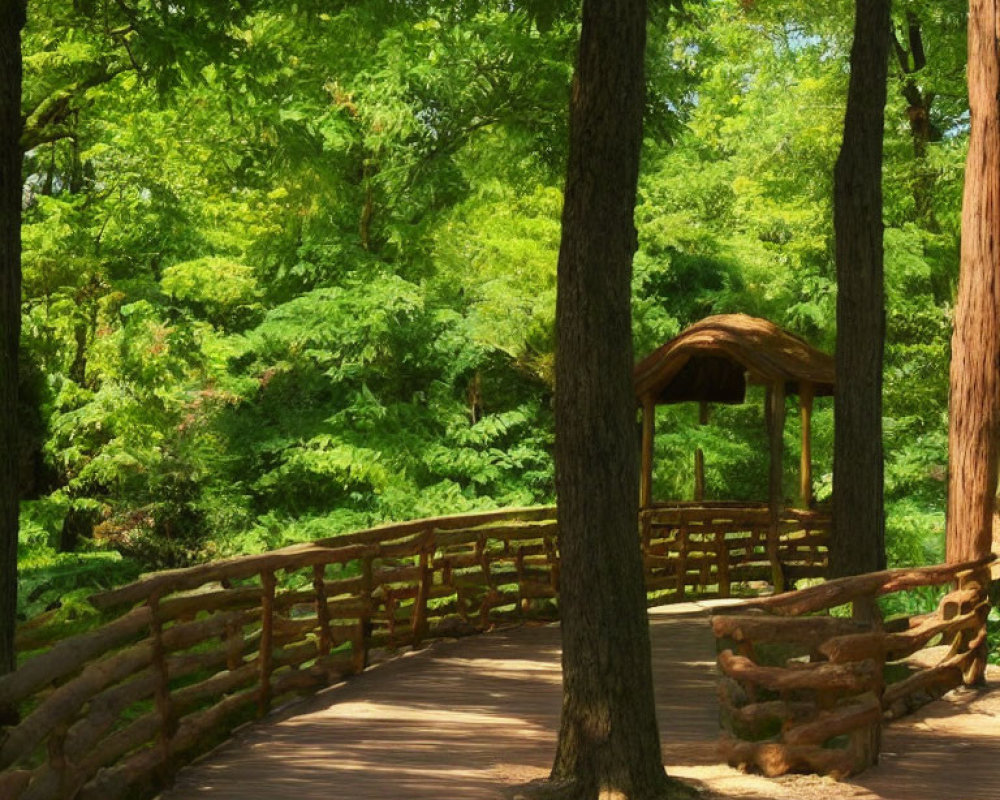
x=290 y=270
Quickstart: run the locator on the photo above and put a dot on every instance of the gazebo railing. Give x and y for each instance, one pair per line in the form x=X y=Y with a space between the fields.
x=707 y=549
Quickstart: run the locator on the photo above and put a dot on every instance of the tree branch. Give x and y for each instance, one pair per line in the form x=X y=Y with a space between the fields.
x=47 y=121
x=916 y=42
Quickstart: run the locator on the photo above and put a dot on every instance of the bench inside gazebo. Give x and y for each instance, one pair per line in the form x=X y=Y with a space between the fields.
x=716 y=544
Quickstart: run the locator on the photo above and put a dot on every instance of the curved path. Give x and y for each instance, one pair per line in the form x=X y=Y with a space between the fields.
x=464 y=720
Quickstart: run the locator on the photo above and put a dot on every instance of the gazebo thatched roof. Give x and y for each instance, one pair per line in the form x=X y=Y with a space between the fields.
x=715 y=358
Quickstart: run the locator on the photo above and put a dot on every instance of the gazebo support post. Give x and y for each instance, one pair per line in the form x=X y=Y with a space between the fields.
x=775 y=412
x=806 y=393
x=699 y=456
x=646 y=466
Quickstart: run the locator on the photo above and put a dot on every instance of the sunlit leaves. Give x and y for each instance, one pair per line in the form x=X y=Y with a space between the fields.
x=499 y=252
x=312 y=286
x=221 y=289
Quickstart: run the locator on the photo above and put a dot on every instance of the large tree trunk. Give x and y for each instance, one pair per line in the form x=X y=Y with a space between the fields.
x=858 y=543
x=608 y=739
x=975 y=348
x=11 y=21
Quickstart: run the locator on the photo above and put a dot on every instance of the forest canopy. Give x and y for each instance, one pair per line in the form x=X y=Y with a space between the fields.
x=290 y=270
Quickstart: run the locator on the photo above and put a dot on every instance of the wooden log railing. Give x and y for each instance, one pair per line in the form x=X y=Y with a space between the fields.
x=808 y=692
x=182 y=657
x=708 y=549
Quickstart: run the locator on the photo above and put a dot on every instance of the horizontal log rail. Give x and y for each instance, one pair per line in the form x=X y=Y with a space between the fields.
x=182 y=657
x=708 y=550
x=806 y=691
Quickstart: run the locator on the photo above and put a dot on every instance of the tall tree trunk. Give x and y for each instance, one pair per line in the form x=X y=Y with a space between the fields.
x=974 y=418
x=608 y=739
x=11 y=22
x=858 y=544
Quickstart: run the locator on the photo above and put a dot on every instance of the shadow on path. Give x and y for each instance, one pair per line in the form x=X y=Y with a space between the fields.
x=461 y=720
x=948 y=750
x=457 y=720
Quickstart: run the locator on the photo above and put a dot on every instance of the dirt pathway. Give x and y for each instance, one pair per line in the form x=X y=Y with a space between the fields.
x=463 y=720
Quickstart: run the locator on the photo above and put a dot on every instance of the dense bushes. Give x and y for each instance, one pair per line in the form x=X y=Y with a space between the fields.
x=306 y=282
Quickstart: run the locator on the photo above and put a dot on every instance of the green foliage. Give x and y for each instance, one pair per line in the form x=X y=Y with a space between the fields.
x=736 y=216
x=218 y=289
x=276 y=289
x=48 y=579
x=497 y=258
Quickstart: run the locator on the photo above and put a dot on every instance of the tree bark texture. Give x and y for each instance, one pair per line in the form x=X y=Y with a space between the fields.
x=975 y=346
x=858 y=543
x=11 y=22
x=608 y=739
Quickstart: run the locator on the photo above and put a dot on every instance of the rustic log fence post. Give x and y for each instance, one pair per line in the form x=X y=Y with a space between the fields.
x=390 y=616
x=974 y=639
x=483 y=557
x=682 y=553
x=425 y=580
x=705 y=570
x=267 y=583
x=775 y=403
x=866 y=741
x=322 y=609
x=522 y=599
x=552 y=555
x=359 y=647
x=722 y=556
x=164 y=702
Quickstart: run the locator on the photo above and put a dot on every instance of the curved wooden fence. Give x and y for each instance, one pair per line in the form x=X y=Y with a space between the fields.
x=808 y=692
x=182 y=657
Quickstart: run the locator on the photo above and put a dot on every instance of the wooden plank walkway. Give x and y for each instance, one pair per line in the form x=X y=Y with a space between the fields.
x=465 y=719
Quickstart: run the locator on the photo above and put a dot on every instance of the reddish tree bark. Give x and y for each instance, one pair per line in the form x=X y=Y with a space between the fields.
x=974 y=419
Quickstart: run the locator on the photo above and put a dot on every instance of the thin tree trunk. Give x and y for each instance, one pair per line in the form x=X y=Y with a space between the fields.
x=975 y=350
x=858 y=544
x=911 y=60
x=11 y=21
x=608 y=739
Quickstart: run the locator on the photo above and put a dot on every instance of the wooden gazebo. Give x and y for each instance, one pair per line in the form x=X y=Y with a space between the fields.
x=713 y=361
